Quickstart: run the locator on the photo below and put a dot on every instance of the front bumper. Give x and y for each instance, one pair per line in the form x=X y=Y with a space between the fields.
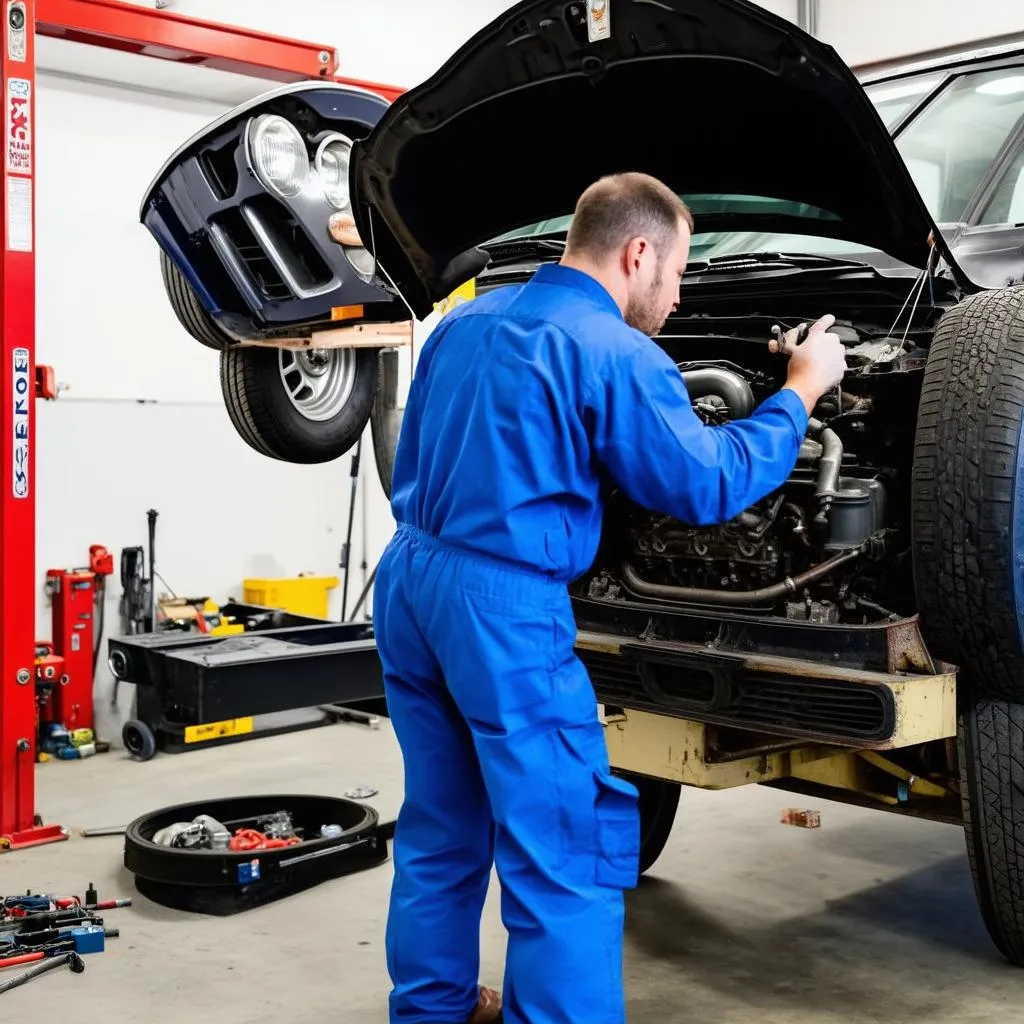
x=263 y=265
x=789 y=699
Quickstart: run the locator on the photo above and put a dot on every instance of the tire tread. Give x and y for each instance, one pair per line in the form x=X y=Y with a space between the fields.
x=991 y=754
x=962 y=492
x=187 y=307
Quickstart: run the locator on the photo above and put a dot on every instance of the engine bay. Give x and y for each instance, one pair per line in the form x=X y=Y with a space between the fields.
x=833 y=544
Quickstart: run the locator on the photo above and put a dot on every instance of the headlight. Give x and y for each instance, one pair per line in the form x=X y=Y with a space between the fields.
x=278 y=154
x=332 y=160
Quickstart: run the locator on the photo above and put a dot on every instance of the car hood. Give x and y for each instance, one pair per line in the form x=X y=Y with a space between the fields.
x=710 y=96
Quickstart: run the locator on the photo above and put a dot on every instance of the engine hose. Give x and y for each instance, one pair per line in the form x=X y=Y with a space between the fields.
x=696 y=595
x=730 y=387
x=829 y=466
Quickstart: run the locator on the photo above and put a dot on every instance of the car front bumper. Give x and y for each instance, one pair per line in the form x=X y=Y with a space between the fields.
x=840 y=701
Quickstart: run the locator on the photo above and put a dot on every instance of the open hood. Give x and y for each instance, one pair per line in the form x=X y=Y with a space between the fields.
x=710 y=96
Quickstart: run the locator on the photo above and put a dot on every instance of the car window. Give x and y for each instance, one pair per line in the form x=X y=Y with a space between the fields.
x=949 y=147
x=1006 y=205
x=702 y=205
x=733 y=243
x=893 y=99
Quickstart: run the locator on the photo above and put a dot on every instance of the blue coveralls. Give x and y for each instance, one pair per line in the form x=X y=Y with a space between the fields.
x=520 y=400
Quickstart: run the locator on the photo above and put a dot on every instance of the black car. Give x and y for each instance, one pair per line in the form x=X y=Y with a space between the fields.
x=856 y=635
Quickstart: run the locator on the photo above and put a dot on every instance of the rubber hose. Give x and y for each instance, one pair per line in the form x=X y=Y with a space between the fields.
x=695 y=595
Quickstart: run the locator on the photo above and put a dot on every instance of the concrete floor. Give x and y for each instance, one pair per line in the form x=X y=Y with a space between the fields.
x=871 y=918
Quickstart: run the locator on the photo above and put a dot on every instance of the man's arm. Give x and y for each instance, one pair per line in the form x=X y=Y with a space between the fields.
x=645 y=432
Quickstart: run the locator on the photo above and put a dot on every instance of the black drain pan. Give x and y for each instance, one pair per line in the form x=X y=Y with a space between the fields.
x=223 y=882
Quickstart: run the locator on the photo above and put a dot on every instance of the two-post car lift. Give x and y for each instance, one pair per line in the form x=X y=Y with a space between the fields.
x=164 y=35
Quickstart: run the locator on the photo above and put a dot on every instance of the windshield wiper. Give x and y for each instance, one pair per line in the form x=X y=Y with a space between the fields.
x=510 y=250
x=763 y=260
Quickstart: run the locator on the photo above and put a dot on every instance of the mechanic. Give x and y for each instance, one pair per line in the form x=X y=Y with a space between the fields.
x=524 y=400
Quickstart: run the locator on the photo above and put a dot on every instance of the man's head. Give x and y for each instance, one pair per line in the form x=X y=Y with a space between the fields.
x=632 y=233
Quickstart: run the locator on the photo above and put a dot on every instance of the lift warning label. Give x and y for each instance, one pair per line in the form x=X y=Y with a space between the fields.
x=22 y=396
x=19 y=126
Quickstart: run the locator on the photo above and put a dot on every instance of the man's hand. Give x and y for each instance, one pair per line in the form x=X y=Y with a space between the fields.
x=816 y=364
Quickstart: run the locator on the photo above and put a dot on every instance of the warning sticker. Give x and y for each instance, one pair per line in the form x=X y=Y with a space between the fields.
x=19 y=126
x=19 y=214
x=22 y=397
x=598 y=20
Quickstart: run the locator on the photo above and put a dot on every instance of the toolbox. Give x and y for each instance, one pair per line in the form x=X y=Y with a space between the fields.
x=300 y=595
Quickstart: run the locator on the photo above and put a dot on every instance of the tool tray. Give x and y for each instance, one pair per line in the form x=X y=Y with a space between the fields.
x=221 y=881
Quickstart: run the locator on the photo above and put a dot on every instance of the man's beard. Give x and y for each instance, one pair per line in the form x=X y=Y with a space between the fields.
x=641 y=313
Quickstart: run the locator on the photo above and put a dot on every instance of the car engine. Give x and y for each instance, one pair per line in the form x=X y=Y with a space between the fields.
x=826 y=547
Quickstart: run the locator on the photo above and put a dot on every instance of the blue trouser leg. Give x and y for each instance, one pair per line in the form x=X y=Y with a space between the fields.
x=443 y=839
x=566 y=830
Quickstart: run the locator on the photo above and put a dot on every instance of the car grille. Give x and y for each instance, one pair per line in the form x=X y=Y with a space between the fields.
x=219 y=169
x=843 y=709
x=615 y=679
x=730 y=694
x=261 y=269
x=281 y=260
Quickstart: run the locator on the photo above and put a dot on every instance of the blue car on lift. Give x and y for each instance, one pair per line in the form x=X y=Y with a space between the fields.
x=856 y=636
x=242 y=214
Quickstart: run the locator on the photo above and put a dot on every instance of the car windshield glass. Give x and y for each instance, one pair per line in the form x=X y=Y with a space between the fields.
x=723 y=243
x=950 y=146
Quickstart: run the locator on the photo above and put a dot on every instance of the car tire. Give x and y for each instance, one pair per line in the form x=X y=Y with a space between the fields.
x=991 y=754
x=188 y=309
x=386 y=419
x=659 y=801
x=967 y=505
x=290 y=408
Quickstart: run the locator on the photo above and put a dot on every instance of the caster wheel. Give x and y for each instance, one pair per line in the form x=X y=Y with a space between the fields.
x=139 y=740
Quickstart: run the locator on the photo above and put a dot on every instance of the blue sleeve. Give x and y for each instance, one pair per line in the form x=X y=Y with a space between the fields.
x=655 y=447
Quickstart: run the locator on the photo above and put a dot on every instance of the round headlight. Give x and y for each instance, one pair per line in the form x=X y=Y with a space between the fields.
x=278 y=154
x=332 y=160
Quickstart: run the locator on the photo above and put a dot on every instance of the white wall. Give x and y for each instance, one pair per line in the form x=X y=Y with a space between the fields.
x=870 y=30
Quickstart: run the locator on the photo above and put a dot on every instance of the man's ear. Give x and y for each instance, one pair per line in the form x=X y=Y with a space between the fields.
x=636 y=249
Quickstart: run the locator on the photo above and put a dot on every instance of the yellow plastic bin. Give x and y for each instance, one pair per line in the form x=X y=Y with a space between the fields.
x=300 y=595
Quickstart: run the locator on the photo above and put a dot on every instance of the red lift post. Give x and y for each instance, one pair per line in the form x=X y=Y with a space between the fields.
x=119 y=26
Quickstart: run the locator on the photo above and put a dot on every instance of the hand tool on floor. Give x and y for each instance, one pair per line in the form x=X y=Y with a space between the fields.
x=104 y=830
x=72 y=959
x=20 y=959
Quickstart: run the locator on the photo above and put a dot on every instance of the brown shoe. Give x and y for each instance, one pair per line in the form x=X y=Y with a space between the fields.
x=488 y=1007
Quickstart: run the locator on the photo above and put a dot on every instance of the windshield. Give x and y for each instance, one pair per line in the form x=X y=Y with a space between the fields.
x=948 y=147
x=726 y=243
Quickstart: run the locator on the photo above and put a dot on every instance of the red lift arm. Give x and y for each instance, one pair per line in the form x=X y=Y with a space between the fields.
x=119 y=26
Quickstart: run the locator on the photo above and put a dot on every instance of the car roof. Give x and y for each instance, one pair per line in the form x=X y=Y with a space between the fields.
x=1004 y=53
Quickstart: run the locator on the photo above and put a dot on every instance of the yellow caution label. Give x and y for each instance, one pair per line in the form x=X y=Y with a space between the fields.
x=464 y=293
x=217 y=730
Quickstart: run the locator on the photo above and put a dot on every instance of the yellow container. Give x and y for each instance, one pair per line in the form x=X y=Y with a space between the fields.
x=300 y=595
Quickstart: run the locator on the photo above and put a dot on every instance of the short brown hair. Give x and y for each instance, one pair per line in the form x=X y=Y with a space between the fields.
x=619 y=207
